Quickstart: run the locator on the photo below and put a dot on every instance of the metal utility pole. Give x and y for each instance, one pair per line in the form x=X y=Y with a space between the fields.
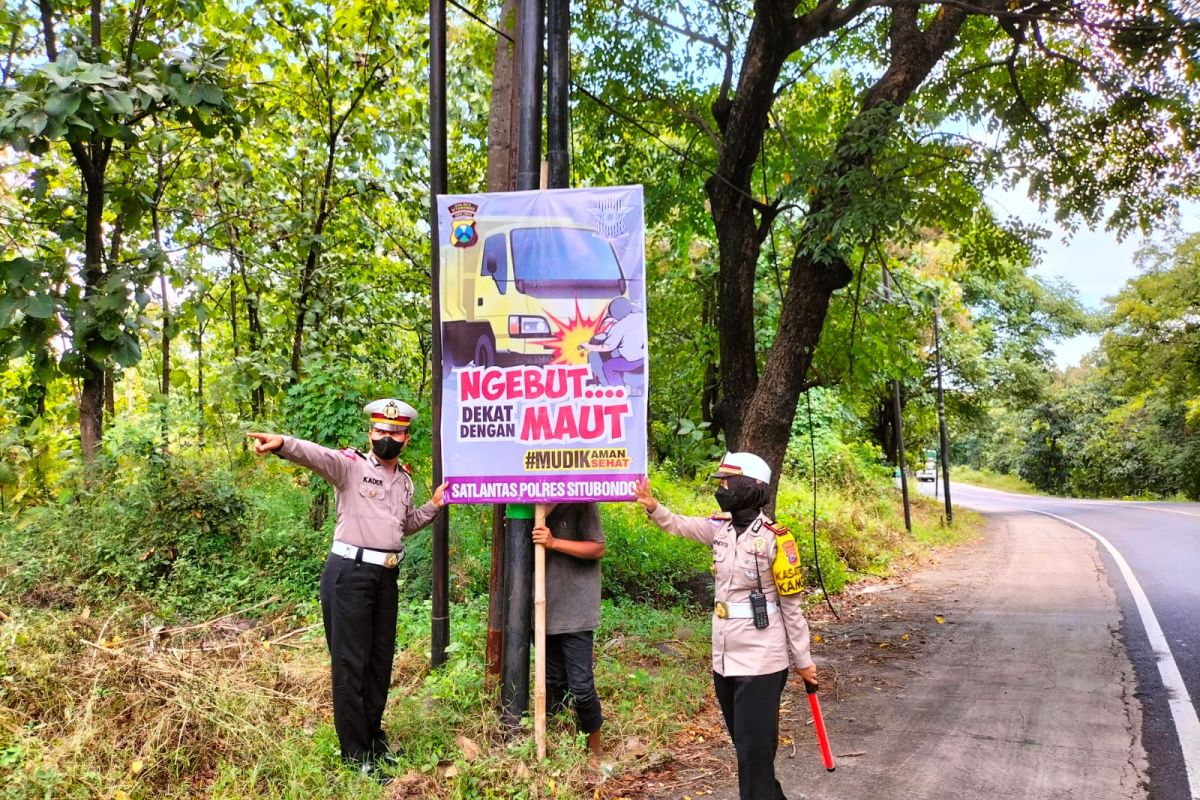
x=440 y=622
x=899 y=425
x=518 y=543
x=530 y=33
x=558 y=92
x=501 y=177
x=941 y=412
x=900 y=454
x=518 y=575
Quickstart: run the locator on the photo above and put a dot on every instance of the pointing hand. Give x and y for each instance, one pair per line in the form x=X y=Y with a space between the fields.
x=265 y=442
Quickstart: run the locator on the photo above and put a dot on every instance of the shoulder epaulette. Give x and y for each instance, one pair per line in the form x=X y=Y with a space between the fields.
x=778 y=529
x=351 y=453
x=406 y=468
x=721 y=516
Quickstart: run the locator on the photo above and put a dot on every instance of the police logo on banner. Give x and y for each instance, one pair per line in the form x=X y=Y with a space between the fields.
x=462 y=228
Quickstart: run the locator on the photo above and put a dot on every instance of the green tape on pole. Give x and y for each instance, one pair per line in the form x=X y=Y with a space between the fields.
x=519 y=510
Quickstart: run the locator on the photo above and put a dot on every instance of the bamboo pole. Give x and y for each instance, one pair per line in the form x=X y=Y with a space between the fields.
x=539 y=605
x=539 y=637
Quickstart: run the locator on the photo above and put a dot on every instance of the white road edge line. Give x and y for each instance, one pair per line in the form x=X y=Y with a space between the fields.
x=1168 y=510
x=1187 y=724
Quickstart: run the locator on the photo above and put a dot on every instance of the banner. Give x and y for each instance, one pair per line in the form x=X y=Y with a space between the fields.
x=544 y=371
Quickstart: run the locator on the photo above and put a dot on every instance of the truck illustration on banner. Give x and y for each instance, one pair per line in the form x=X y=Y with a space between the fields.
x=543 y=343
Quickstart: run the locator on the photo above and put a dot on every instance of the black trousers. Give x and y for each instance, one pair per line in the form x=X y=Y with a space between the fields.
x=750 y=704
x=569 y=669
x=358 y=604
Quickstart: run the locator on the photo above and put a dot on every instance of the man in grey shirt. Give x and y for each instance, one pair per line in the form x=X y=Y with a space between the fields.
x=574 y=543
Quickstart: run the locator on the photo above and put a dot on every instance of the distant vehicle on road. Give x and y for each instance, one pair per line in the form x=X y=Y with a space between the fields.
x=927 y=472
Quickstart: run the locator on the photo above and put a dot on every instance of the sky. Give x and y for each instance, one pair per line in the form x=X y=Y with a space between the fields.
x=1095 y=262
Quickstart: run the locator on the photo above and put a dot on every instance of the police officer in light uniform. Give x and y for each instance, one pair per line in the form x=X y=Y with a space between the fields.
x=750 y=658
x=374 y=498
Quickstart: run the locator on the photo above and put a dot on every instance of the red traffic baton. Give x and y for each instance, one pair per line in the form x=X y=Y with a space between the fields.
x=819 y=726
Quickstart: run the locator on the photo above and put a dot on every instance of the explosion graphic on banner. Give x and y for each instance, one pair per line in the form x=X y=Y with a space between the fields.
x=570 y=335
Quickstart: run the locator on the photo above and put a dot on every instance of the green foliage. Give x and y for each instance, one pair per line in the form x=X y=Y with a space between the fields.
x=841 y=457
x=1124 y=424
x=72 y=99
x=33 y=452
x=192 y=535
x=992 y=480
x=100 y=104
x=823 y=565
x=680 y=568
x=326 y=407
x=686 y=448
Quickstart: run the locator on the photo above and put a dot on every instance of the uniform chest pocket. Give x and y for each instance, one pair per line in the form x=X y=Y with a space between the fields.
x=372 y=491
x=753 y=566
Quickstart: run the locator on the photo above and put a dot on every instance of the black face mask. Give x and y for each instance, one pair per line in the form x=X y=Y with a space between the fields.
x=726 y=498
x=743 y=498
x=386 y=448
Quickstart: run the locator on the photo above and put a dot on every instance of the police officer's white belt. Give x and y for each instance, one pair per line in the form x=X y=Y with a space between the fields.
x=380 y=558
x=740 y=610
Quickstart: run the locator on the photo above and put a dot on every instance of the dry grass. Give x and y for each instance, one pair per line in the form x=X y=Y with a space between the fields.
x=101 y=706
x=123 y=709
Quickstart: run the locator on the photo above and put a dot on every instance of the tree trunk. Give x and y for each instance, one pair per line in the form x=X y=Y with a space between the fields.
x=162 y=278
x=91 y=400
x=258 y=393
x=318 y=509
x=882 y=429
x=233 y=318
x=768 y=424
x=90 y=159
x=38 y=390
x=710 y=390
x=166 y=359
x=110 y=394
x=91 y=413
x=736 y=215
x=200 y=386
x=757 y=415
x=306 y=281
x=325 y=207
x=166 y=337
x=253 y=335
x=503 y=119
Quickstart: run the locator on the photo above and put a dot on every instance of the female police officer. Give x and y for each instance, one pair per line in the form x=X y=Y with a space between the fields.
x=754 y=627
x=359 y=596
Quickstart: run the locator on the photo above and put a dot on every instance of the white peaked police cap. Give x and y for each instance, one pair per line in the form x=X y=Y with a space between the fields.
x=746 y=464
x=390 y=415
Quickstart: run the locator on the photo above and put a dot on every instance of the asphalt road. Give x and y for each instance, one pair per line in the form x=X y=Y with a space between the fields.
x=1160 y=543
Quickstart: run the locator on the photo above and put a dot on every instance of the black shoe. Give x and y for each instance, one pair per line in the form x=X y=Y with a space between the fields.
x=382 y=753
x=371 y=769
